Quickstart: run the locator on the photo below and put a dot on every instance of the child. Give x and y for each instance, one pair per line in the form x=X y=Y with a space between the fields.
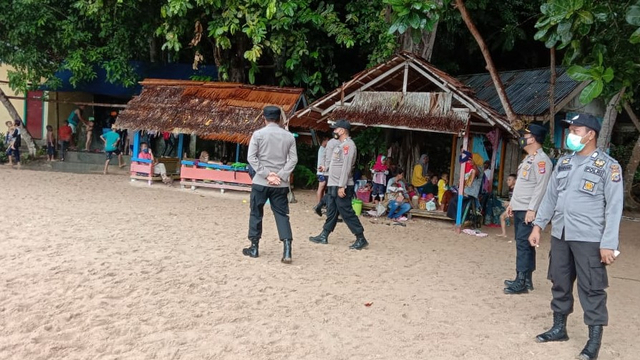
x=511 y=182
x=111 y=140
x=158 y=167
x=443 y=185
x=64 y=138
x=50 y=143
x=412 y=191
x=89 y=127
x=379 y=173
x=15 y=143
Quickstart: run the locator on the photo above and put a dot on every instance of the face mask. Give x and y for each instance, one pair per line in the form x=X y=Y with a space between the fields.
x=336 y=135
x=522 y=142
x=145 y=150
x=574 y=143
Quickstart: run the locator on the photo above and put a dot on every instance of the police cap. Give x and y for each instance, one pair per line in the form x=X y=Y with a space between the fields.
x=539 y=132
x=271 y=113
x=342 y=123
x=587 y=120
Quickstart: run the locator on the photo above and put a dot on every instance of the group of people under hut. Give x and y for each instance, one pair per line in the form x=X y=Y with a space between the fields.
x=395 y=194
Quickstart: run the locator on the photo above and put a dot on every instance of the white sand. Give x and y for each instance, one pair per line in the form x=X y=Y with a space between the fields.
x=94 y=267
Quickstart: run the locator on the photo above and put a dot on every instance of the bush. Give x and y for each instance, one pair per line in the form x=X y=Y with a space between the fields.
x=304 y=178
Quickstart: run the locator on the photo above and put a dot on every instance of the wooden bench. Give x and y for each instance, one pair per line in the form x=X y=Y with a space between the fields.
x=221 y=177
x=142 y=169
x=440 y=215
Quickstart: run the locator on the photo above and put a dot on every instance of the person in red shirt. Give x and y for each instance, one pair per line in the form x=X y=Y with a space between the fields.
x=64 y=137
x=158 y=167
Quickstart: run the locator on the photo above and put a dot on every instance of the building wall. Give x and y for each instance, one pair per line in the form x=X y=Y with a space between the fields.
x=18 y=104
x=61 y=104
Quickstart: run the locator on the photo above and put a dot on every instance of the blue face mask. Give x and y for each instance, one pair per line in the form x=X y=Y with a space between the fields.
x=145 y=150
x=574 y=143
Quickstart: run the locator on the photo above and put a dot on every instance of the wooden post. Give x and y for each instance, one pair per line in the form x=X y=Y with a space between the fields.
x=180 y=146
x=465 y=143
x=494 y=155
x=454 y=147
x=136 y=144
x=501 y=171
x=238 y=152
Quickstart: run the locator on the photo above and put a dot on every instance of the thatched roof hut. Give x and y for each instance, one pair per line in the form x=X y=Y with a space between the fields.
x=211 y=110
x=404 y=93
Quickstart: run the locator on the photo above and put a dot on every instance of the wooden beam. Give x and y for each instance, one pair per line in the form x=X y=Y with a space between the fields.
x=406 y=78
x=400 y=128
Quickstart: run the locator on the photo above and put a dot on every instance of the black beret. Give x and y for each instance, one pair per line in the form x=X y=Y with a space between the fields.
x=587 y=120
x=271 y=112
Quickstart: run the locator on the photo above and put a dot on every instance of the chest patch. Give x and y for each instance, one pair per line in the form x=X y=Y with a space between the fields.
x=592 y=170
x=564 y=167
x=589 y=186
x=599 y=163
x=566 y=161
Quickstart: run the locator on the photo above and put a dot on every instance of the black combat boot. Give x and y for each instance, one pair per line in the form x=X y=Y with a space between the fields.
x=252 y=251
x=591 y=350
x=528 y=281
x=323 y=238
x=360 y=243
x=558 y=331
x=286 y=253
x=519 y=286
x=318 y=210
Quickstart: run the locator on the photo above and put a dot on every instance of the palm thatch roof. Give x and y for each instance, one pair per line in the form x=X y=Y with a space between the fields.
x=408 y=93
x=210 y=110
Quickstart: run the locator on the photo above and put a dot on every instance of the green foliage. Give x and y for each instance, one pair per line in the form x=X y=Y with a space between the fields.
x=76 y=35
x=623 y=151
x=369 y=142
x=3 y=152
x=415 y=16
x=599 y=38
x=304 y=177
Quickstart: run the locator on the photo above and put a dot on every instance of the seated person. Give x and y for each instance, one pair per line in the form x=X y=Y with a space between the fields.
x=432 y=186
x=204 y=157
x=412 y=191
x=398 y=198
x=158 y=167
x=511 y=182
x=443 y=186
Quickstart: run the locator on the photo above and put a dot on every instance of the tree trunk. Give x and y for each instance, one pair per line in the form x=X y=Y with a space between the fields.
x=508 y=110
x=609 y=120
x=552 y=99
x=15 y=116
x=632 y=166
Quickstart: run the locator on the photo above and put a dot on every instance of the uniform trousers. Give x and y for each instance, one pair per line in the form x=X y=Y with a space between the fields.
x=525 y=253
x=571 y=259
x=277 y=197
x=335 y=205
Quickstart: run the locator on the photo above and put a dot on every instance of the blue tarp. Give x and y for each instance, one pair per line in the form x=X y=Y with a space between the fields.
x=100 y=85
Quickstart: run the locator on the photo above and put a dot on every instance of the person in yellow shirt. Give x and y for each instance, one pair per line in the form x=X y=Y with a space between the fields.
x=443 y=185
x=420 y=170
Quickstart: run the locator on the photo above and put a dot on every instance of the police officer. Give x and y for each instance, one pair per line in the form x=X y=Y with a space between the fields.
x=533 y=176
x=340 y=187
x=584 y=202
x=272 y=154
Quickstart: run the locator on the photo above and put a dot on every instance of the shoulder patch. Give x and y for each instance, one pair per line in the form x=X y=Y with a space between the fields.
x=615 y=173
x=345 y=149
x=542 y=167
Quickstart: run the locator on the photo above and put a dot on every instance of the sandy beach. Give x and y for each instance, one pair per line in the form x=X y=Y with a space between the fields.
x=97 y=267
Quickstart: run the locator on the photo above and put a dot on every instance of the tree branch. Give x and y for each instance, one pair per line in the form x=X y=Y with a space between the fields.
x=504 y=100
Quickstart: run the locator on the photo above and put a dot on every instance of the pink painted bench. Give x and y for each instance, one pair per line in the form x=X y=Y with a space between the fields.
x=211 y=177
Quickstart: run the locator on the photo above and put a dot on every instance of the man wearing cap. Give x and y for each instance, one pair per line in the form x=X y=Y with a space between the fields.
x=533 y=176
x=583 y=202
x=340 y=187
x=273 y=156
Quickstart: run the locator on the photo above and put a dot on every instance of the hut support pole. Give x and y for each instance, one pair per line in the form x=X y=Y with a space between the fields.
x=494 y=155
x=458 y=227
x=136 y=144
x=238 y=152
x=180 y=145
